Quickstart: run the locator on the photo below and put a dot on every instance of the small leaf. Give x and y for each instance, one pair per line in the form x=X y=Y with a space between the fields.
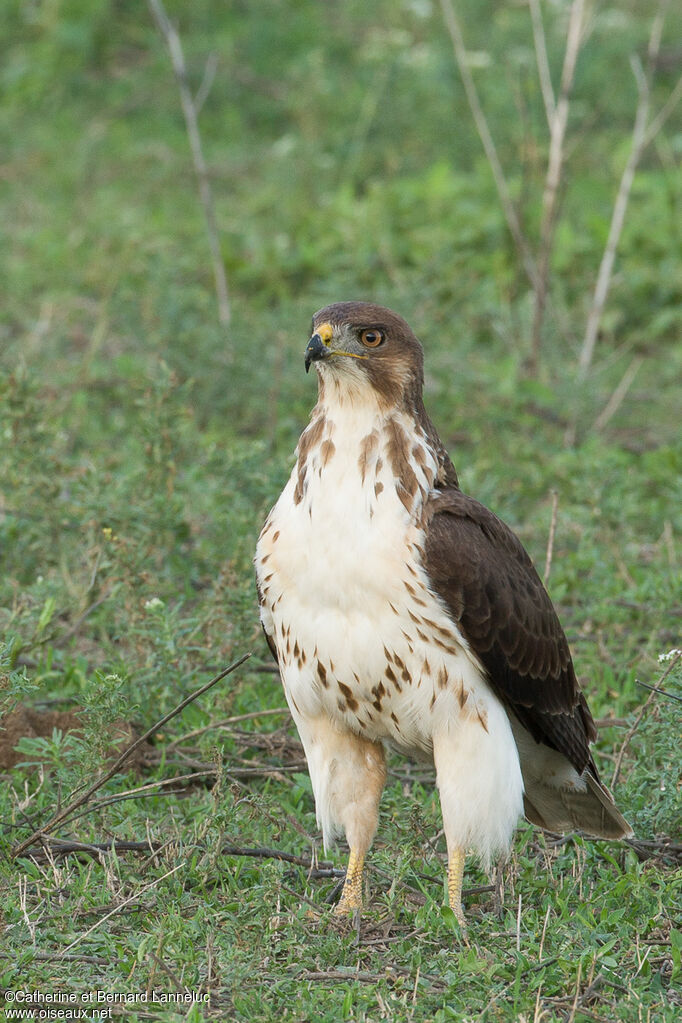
x=45 y=616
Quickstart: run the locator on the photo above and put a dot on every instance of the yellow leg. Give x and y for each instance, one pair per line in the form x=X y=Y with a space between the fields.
x=455 y=878
x=351 y=896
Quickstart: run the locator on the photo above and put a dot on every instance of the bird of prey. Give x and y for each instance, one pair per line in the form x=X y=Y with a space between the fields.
x=403 y=612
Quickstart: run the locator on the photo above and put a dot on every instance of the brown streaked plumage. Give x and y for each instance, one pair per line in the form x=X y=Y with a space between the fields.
x=425 y=611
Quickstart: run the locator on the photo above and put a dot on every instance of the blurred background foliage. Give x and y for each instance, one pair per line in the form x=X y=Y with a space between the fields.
x=142 y=443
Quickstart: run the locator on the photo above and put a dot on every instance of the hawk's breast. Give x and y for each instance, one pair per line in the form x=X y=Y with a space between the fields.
x=360 y=636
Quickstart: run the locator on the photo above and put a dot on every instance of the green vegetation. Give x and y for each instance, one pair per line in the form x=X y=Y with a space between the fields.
x=141 y=446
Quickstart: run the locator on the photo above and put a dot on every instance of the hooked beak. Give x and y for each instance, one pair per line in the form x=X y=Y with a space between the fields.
x=315 y=351
x=319 y=346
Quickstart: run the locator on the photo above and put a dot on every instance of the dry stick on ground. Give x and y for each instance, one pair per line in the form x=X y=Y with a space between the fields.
x=118 y=763
x=557 y=128
x=455 y=31
x=49 y=957
x=121 y=906
x=662 y=849
x=642 y=711
x=642 y=135
x=215 y=725
x=143 y=792
x=62 y=847
x=190 y=110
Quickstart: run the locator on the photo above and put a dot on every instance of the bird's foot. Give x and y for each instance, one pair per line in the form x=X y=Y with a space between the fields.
x=455 y=879
x=351 y=896
x=347 y=906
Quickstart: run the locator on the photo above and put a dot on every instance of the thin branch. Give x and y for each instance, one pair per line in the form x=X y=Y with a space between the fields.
x=542 y=61
x=553 y=178
x=663 y=114
x=663 y=848
x=550 y=539
x=618 y=396
x=657 y=689
x=127 y=752
x=49 y=957
x=617 y=220
x=58 y=641
x=455 y=31
x=642 y=135
x=148 y=791
x=179 y=986
x=190 y=111
x=120 y=906
x=656 y=33
x=264 y=853
x=62 y=847
x=225 y=722
x=642 y=711
x=210 y=69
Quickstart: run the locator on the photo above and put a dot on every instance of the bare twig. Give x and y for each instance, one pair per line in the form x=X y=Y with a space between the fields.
x=150 y=790
x=89 y=792
x=550 y=538
x=642 y=136
x=661 y=848
x=657 y=689
x=601 y=289
x=455 y=31
x=49 y=957
x=215 y=725
x=210 y=69
x=571 y=1016
x=542 y=61
x=663 y=114
x=264 y=853
x=121 y=905
x=190 y=111
x=553 y=178
x=642 y=711
x=362 y=976
x=62 y=847
x=618 y=396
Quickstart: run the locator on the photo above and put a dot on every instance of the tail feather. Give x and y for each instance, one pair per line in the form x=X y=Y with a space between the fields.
x=590 y=810
x=558 y=798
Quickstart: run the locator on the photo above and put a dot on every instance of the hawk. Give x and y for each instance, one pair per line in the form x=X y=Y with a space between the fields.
x=403 y=612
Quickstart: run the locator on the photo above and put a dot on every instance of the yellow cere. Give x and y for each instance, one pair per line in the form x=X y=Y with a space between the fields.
x=326 y=332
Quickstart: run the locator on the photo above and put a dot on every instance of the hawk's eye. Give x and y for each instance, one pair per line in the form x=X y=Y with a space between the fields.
x=371 y=338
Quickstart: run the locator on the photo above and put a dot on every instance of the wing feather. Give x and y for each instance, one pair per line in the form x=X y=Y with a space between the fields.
x=487 y=581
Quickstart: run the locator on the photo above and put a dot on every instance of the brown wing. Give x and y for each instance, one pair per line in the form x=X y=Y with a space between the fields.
x=482 y=573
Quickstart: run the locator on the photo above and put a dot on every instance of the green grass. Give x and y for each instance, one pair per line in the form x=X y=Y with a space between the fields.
x=141 y=446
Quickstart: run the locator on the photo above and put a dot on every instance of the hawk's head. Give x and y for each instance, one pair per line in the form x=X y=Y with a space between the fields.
x=359 y=342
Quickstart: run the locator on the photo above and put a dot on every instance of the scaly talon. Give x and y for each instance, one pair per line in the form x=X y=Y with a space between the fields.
x=351 y=896
x=455 y=878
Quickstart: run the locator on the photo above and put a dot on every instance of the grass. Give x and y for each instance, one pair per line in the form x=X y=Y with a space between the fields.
x=142 y=447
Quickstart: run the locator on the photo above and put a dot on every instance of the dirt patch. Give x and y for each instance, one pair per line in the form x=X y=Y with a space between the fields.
x=26 y=721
